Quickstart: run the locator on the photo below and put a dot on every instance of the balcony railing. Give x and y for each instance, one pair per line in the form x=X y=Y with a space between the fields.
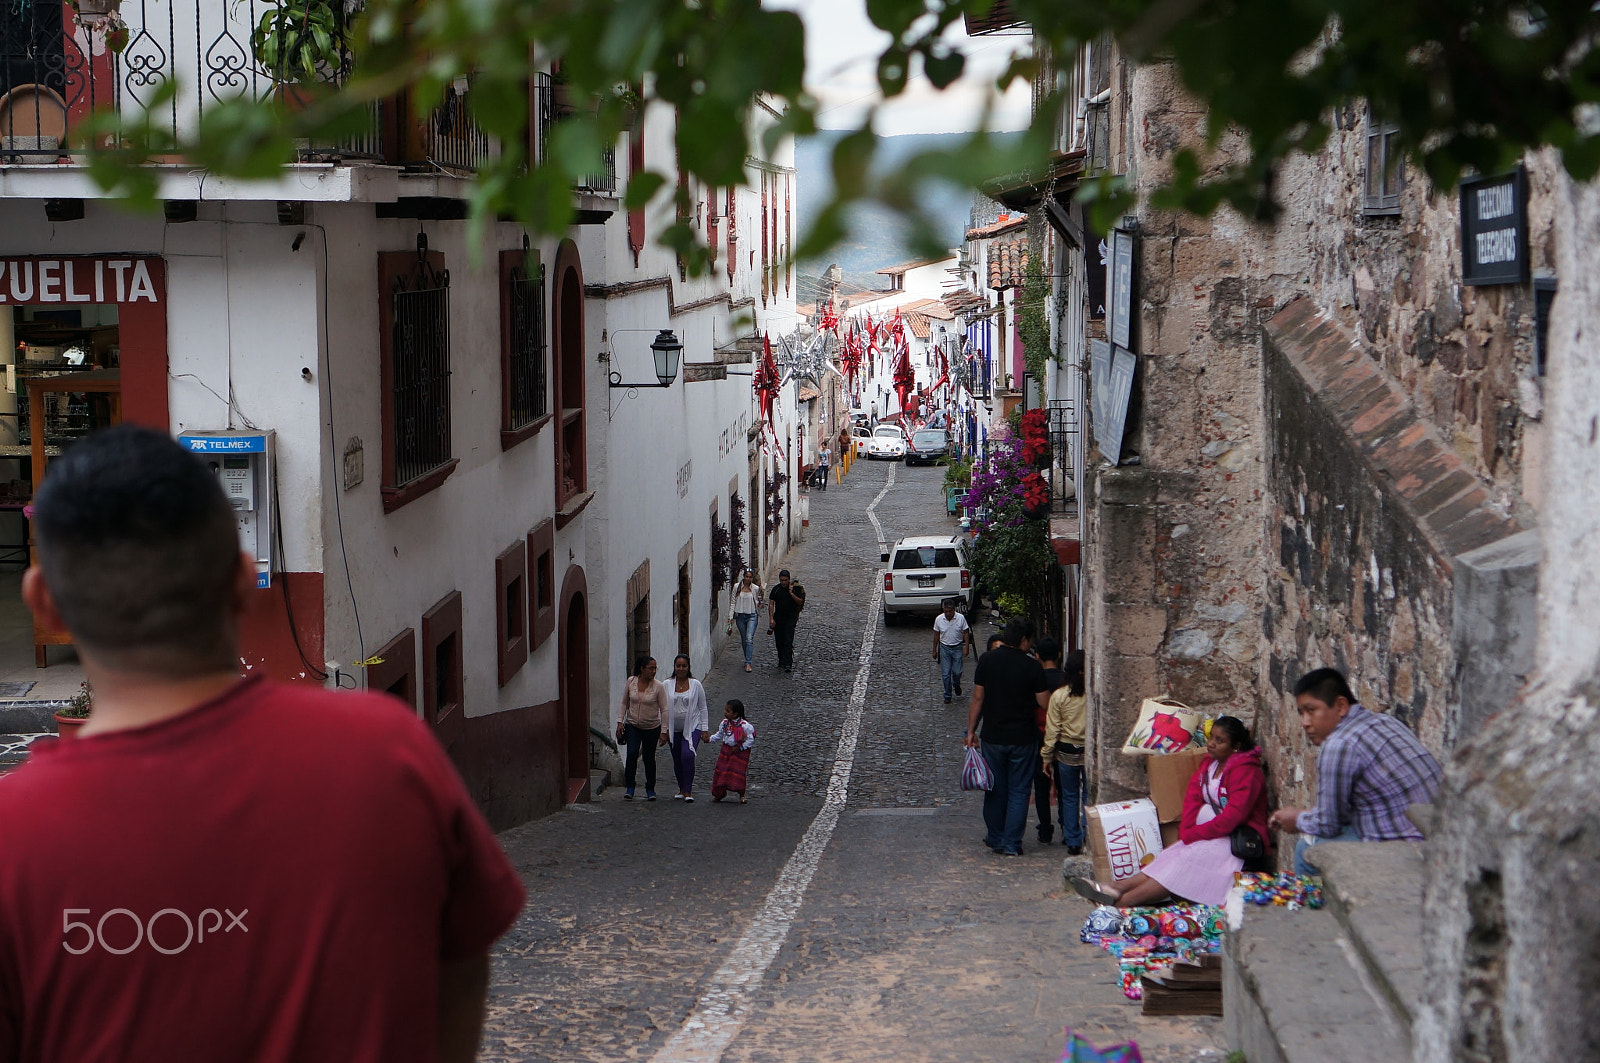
x=553 y=106
x=55 y=74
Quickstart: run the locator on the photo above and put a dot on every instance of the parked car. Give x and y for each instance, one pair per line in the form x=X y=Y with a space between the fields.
x=928 y=445
x=923 y=571
x=888 y=441
x=859 y=436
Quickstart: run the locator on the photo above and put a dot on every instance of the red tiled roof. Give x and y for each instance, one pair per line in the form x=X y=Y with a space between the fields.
x=928 y=307
x=963 y=301
x=1007 y=260
x=1004 y=225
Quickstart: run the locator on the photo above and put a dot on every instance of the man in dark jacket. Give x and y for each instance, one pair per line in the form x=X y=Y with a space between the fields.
x=1008 y=689
x=783 y=611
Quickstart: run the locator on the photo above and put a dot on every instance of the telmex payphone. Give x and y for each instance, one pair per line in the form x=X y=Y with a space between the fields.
x=243 y=462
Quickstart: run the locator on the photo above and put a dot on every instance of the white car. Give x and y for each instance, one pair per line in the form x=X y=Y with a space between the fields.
x=860 y=436
x=888 y=441
x=923 y=571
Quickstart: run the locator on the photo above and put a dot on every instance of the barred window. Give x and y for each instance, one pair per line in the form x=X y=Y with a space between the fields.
x=524 y=377
x=416 y=374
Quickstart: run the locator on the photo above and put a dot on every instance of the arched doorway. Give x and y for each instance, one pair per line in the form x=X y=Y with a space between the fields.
x=574 y=722
x=575 y=707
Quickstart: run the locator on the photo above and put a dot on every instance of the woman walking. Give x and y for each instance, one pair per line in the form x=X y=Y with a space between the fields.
x=687 y=722
x=748 y=602
x=644 y=708
x=1064 y=738
x=736 y=736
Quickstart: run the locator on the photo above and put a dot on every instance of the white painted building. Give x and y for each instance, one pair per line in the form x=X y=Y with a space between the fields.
x=463 y=505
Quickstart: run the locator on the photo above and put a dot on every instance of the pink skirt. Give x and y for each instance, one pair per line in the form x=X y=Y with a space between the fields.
x=1202 y=872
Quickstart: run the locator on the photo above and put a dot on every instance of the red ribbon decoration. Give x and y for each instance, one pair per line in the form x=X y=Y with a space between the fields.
x=905 y=378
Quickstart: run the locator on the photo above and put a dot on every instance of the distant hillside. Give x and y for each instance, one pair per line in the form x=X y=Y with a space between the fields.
x=877 y=236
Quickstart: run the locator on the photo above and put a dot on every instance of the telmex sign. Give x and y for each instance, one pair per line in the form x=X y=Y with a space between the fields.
x=1494 y=229
x=76 y=280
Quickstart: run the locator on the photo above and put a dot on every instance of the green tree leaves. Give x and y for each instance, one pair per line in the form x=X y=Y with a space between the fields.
x=1471 y=84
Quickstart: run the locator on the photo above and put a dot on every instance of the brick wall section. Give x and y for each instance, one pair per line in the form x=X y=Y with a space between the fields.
x=1370 y=507
x=1452 y=508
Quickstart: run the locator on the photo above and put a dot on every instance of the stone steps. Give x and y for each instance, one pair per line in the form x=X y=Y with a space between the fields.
x=1338 y=984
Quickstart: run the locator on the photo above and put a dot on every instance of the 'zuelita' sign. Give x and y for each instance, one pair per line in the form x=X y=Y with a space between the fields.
x=1494 y=229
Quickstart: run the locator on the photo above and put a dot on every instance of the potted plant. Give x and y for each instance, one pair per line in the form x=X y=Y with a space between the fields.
x=103 y=17
x=300 y=43
x=76 y=712
x=957 y=482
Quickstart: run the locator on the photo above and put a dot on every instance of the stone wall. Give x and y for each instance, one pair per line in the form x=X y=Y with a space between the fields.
x=1370 y=507
x=1513 y=949
x=1174 y=560
x=1217 y=575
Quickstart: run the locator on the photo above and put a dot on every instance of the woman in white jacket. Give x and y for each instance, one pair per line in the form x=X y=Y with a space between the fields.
x=688 y=722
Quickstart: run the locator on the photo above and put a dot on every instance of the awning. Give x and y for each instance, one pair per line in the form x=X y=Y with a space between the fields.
x=1025 y=193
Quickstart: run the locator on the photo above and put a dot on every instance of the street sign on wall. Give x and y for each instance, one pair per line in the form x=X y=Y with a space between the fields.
x=1119 y=316
x=1494 y=229
x=1111 y=385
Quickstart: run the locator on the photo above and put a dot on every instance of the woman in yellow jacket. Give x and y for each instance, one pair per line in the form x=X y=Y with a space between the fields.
x=1064 y=736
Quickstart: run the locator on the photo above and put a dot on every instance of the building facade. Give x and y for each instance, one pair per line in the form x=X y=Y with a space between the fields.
x=459 y=508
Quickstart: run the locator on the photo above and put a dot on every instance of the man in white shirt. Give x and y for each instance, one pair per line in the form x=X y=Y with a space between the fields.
x=824 y=461
x=951 y=637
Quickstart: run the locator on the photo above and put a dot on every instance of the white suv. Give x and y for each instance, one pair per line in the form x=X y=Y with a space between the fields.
x=923 y=571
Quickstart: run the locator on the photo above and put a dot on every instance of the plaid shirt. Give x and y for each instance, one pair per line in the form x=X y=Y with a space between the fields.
x=1368 y=771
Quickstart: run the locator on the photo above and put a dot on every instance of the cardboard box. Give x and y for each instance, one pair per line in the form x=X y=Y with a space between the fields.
x=1169 y=835
x=1169 y=780
x=1124 y=836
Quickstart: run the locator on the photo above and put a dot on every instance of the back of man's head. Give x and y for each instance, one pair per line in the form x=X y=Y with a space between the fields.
x=1327 y=685
x=140 y=552
x=1015 y=633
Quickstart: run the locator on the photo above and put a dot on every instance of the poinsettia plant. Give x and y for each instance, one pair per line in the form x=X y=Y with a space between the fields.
x=1035 y=436
x=1011 y=548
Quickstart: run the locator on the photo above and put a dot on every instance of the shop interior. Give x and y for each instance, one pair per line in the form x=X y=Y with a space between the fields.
x=61 y=381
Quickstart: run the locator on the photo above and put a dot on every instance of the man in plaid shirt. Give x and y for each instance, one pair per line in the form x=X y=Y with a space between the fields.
x=1370 y=768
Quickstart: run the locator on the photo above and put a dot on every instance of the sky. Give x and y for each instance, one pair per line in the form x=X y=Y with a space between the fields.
x=842 y=47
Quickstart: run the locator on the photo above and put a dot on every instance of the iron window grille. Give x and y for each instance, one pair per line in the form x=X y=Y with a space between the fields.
x=420 y=374
x=554 y=103
x=526 y=364
x=1385 y=175
x=1063 y=427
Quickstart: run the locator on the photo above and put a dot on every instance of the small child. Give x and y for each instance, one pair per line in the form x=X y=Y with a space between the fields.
x=735 y=736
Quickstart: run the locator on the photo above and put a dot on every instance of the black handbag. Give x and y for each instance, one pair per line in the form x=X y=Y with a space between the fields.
x=1246 y=843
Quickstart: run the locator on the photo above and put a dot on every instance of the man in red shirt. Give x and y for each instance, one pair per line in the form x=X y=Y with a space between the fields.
x=223 y=869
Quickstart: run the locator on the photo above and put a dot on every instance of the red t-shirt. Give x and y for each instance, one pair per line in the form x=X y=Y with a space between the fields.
x=274 y=875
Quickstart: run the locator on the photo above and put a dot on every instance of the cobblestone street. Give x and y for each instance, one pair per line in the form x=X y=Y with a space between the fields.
x=912 y=941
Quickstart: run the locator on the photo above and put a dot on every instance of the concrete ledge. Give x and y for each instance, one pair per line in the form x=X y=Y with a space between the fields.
x=1374 y=890
x=1293 y=992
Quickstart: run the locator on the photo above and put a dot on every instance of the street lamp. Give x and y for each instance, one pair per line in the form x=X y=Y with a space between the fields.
x=666 y=348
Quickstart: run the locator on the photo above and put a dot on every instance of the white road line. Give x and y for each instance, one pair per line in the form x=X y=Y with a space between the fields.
x=873 y=517
x=725 y=1005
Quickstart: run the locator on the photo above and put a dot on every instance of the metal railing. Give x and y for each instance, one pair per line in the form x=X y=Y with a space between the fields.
x=55 y=74
x=450 y=138
x=1065 y=436
x=550 y=92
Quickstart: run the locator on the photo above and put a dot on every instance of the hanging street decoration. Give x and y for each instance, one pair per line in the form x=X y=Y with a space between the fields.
x=766 y=383
x=905 y=378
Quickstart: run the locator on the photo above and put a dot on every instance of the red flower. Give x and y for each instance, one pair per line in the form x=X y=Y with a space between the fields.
x=1035 y=492
x=1035 y=435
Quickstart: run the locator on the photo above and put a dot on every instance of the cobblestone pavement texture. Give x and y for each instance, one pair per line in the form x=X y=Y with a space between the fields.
x=914 y=942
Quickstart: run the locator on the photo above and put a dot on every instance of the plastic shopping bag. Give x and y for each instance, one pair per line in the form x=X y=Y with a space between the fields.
x=975 y=774
x=1080 y=1051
